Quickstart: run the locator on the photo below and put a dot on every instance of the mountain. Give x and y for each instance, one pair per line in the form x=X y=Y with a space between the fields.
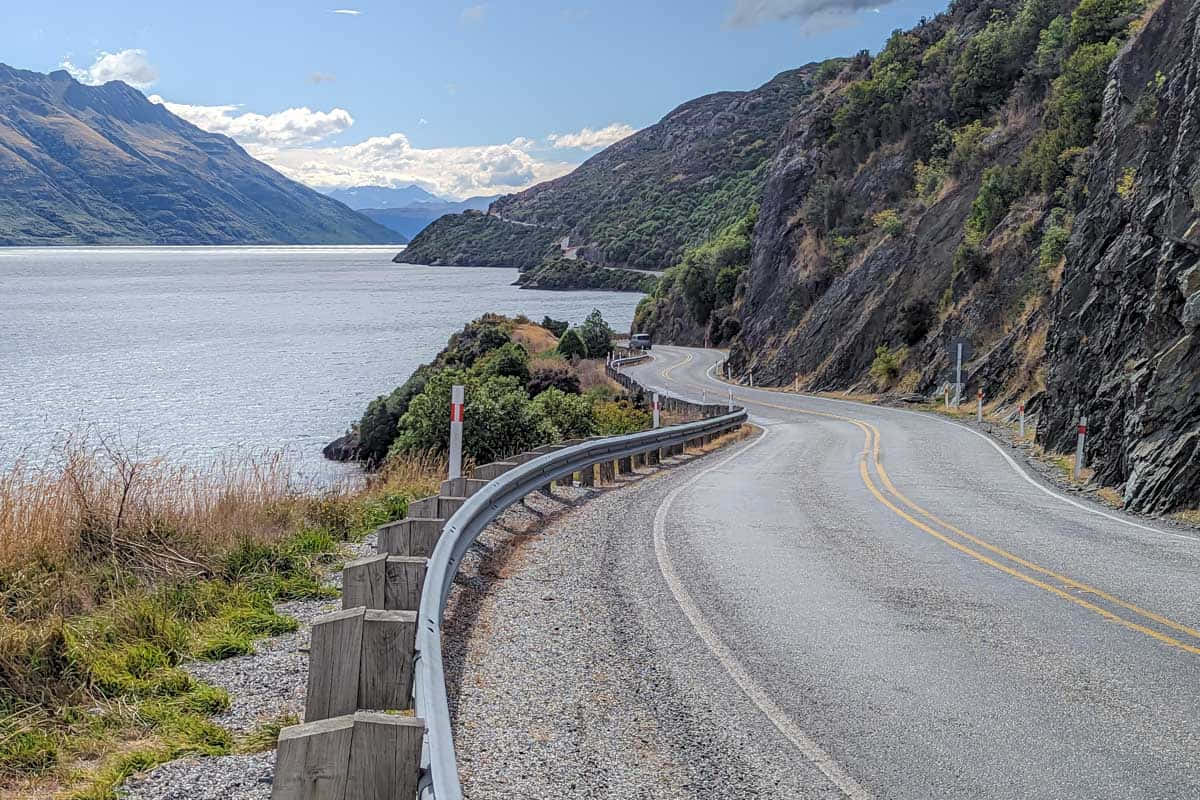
x=360 y=197
x=103 y=165
x=644 y=200
x=475 y=239
x=1023 y=174
x=412 y=219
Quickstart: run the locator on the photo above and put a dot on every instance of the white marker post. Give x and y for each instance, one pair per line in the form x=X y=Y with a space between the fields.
x=656 y=409
x=1079 y=446
x=1022 y=420
x=731 y=399
x=947 y=396
x=456 y=430
x=979 y=408
x=751 y=379
x=704 y=397
x=958 y=377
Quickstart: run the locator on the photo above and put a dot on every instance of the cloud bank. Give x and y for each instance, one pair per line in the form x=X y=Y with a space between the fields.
x=130 y=66
x=293 y=126
x=588 y=139
x=748 y=13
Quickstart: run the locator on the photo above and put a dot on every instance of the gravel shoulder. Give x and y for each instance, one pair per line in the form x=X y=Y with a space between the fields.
x=579 y=677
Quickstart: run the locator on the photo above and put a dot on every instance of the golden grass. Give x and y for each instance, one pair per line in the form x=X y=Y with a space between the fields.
x=1190 y=516
x=535 y=338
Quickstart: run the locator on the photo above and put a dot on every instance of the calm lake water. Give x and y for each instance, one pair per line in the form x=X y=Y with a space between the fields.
x=203 y=352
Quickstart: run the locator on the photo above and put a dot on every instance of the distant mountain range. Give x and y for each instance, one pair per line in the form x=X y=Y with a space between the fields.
x=360 y=197
x=103 y=165
x=411 y=220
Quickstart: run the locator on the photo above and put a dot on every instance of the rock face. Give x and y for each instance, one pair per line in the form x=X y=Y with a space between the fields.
x=103 y=165
x=343 y=448
x=1124 y=345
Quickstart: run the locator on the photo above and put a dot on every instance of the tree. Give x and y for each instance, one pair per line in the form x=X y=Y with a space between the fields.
x=571 y=345
x=511 y=360
x=556 y=326
x=597 y=336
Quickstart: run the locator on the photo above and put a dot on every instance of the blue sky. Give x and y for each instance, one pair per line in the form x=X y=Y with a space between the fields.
x=461 y=97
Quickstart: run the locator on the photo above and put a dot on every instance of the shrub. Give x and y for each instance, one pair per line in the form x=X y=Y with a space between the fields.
x=510 y=360
x=1099 y=20
x=889 y=222
x=998 y=189
x=886 y=366
x=555 y=326
x=499 y=418
x=571 y=345
x=967 y=154
x=552 y=373
x=615 y=418
x=726 y=284
x=1125 y=183
x=570 y=414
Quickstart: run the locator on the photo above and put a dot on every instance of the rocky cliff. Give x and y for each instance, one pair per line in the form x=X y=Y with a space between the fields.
x=103 y=165
x=1124 y=344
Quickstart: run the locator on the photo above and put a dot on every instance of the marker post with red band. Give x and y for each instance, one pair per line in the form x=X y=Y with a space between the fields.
x=656 y=409
x=1022 y=420
x=457 y=394
x=979 y=407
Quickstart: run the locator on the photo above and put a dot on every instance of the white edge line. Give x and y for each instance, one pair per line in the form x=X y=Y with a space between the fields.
x=778 y=717
x=1017 y=468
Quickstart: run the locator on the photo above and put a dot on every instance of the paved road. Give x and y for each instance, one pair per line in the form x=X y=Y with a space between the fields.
x=917 y=618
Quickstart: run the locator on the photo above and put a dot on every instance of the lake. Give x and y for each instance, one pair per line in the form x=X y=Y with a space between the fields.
x=203 y=352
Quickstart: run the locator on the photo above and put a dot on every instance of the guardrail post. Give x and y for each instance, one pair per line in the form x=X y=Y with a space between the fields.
x=385 y=754
x=606 y=472
x=625 y=465
x=412 y=536
x=313 y=760
x=652 y=457
x=587 y=476
x=391 y=583
x=360 y=658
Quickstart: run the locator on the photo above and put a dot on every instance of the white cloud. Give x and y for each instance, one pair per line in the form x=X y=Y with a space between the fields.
x=474 y=14
x=291 y=127
x=748 y=13
x=349 y=12
x=322 y=77
x=130 y=66
x=393 y=161
x=589 y=139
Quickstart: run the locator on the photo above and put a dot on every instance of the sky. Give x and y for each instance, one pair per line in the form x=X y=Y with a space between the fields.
x=461 y=98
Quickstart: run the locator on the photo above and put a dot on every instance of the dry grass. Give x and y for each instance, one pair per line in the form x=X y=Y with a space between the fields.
x=592 y=375
x=114 y=568
x=1189 y=517
x=535 y=338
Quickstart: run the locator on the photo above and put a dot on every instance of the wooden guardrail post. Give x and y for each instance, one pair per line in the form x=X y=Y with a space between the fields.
x=360 y=658
x=409 y=537
x=359 y=756
x=625 y=465
x=587 y=476
x=391 y=583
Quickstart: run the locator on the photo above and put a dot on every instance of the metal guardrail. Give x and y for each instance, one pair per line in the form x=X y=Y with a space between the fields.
x=439 y=766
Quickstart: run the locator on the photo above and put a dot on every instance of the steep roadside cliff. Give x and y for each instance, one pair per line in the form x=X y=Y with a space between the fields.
x=1124 y=345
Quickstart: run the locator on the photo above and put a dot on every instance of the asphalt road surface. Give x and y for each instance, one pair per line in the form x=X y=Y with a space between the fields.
x=916 y=617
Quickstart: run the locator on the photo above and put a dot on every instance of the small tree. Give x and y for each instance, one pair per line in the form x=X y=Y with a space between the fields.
x=511 y=360
x=570 y=414
x=597 y=336
x=571 y=345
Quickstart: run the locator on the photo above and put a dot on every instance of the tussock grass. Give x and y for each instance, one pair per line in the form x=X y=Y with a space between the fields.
x=115 y=569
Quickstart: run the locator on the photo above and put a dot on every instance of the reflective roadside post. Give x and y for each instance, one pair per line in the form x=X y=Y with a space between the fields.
x=979 y=407
x=1079 y=446
x=456 y=430
x=656 y=409
x=1022 y=420
x=731 y=399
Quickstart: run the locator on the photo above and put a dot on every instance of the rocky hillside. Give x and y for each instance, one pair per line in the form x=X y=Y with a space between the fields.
x=643 y=201
x=474 y=239
x=103 y=165
x=1014 y=172
x=1124 y=343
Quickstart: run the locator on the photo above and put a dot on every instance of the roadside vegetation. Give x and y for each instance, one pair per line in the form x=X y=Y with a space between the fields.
x=525 y=387
x=115 y=569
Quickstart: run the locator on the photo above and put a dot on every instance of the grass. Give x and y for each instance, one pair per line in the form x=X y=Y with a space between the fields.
x=115 y=569
x=266 y=735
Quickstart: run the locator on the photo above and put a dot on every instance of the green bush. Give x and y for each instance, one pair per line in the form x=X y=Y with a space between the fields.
x=1054 y=239
x=1096 y=21
x=889 y=222
x=569 y=414
x=616 y=418
x=997 y=190
x=510 y=360
x=571 y=345
x=886 y=366
x=499 y=417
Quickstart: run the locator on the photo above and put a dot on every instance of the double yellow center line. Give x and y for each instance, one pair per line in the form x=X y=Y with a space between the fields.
x=1132 y=617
